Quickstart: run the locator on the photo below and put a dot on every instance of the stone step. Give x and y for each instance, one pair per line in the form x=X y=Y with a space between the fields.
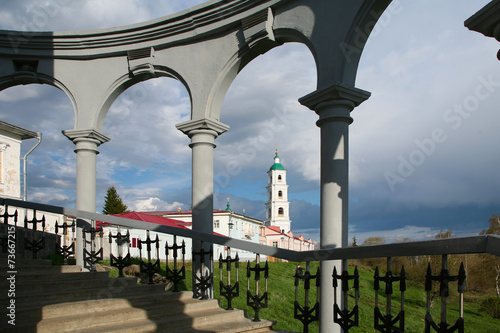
x=192 y=322
x=115 y=320
x=175 y=303
x=43 y=270
x=78 y=283
x=22 y=262
x=30 y=279
x=114 y=288
x=118 y=316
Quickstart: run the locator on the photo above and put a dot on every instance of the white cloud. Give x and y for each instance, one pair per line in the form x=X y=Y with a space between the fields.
x=19 y=93
x=411 y=232
x=155 y=204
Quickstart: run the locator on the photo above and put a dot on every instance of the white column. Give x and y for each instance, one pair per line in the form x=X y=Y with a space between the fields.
x=202 y=133
x=333 y=105
x=86 y=142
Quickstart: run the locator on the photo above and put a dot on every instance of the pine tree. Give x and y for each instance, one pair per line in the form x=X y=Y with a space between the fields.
x=113 y=204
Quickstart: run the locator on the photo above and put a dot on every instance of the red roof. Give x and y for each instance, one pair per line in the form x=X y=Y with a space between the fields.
x=148 y=218
x=153 y=219
x=275 y=228
x=179 y=212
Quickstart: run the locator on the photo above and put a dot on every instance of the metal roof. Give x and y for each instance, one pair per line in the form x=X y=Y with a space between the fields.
x=18 y=131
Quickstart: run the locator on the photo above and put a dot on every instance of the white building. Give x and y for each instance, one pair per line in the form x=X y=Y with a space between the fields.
x=13 y=166
x=226 y=223
x=277 y=231
x=277 y=205
x=11 y=137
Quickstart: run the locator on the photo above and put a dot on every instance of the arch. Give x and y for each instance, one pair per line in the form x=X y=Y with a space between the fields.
x=280 y=194
x=240 y=59
x=38 y=78
x=126 y=81
x=281 y=211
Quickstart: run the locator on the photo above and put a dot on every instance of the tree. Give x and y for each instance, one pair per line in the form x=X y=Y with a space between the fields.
x=374 y=240
x=113 y=204
x=494 y=228
x=444 y=234
x=493 y=262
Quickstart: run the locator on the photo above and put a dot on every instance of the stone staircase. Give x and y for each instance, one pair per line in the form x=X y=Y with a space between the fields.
x=62 y=299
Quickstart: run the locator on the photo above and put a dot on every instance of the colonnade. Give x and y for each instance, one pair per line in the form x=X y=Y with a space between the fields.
x=205 y=48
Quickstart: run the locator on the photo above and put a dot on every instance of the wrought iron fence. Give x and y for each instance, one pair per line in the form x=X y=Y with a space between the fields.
x=257 y=291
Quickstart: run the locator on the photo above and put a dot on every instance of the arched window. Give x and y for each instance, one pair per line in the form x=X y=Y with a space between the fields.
x=280 y=194
x=281 y=211
x=279 y=178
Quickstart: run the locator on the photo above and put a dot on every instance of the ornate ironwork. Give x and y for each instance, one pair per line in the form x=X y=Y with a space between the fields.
x=306 y=314
x=444 y=291
x=119 y=262
x=345 y=318
x=257 y=302
x=34 y=245
x=176 y=275
x=65 y=250
x=6 y=215
x=150 y=267
x=229 y=291
x=387 y=323
x=203 y=283
x=90 y=258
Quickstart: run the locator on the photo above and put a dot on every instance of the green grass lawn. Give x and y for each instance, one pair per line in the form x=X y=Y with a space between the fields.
x=281 y=291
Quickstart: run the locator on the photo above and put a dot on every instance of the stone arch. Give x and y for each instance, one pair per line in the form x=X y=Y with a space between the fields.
x=38 y=78
x=240 y=59
x=126 y=81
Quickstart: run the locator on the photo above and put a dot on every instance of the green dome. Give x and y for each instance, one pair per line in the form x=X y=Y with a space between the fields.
x=276 y=166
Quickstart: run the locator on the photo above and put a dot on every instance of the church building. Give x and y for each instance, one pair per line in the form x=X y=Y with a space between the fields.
x=277 y=227
x=277 y=205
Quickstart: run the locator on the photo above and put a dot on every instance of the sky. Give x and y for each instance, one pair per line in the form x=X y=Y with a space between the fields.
x=424 y=153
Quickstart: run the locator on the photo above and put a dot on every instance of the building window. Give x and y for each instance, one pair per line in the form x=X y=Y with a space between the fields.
x=216 y=224
x=134 y=243
x=281 y=211
x=279 y=178
x=275 y=244
x=280 y=194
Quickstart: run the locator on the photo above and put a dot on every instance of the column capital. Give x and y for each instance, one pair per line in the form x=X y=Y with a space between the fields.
x=86 y=140
x=335 y=102
x=204 y=125
x=92 y=135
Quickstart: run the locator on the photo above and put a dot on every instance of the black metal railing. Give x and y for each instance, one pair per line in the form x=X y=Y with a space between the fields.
x=345 y=315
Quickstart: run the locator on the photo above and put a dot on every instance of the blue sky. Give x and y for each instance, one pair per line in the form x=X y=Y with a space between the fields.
x=424 y=150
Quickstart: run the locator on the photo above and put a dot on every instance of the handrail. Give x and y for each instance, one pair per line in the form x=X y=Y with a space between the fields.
x=461 y=245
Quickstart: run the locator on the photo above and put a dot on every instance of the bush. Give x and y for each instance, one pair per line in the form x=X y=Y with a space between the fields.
x=491 y=305
x=57 y=260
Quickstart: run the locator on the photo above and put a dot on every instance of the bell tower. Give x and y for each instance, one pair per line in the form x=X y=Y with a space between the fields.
x=277 y=205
